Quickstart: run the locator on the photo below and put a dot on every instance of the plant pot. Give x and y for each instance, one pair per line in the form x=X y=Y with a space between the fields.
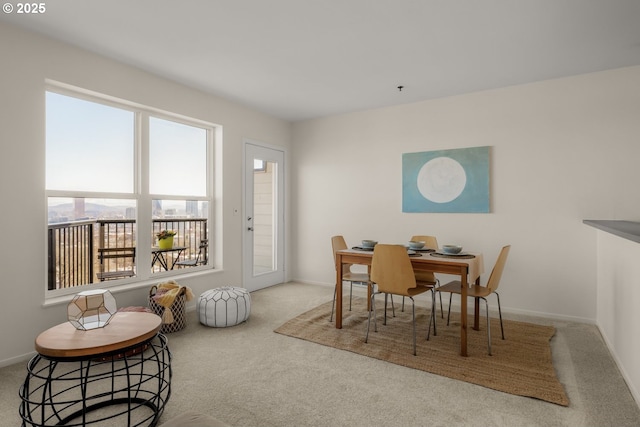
x=166 y=243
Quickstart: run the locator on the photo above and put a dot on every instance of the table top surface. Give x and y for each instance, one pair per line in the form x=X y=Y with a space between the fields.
x=420 y=255
x=125 y=329
x=475 y=265
x=174 y=248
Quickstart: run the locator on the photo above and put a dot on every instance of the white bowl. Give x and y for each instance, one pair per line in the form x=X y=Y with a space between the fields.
x=451 y=249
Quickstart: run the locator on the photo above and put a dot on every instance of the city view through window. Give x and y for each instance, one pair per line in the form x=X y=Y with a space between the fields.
x=94 y=236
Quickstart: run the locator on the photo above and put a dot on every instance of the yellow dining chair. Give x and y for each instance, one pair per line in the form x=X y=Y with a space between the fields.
x=338 y=243
x=392 y=273
x=477 y=291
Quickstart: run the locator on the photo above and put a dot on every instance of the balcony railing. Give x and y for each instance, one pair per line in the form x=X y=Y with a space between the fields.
x=70 y=254
x=83 y=252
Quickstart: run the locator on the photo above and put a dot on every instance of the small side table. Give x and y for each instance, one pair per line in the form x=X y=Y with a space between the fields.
x=116 y=375
x=161 y=256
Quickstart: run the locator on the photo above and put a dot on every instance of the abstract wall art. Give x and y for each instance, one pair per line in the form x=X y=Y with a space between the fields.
x=446 y=181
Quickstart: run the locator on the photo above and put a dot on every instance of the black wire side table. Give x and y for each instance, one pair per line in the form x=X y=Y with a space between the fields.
x=116 y=375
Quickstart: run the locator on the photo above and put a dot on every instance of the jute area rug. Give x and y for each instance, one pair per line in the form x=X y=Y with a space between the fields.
x=520 y=365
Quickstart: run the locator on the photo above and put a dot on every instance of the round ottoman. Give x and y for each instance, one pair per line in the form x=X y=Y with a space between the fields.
x=222 y=307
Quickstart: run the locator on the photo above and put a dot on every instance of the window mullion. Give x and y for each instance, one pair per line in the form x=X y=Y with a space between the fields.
x=144 y=199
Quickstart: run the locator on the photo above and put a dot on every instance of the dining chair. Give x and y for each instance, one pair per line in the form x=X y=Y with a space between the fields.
x=392 y=273
x=426 y=276
x=482 y=292
x=337 y=244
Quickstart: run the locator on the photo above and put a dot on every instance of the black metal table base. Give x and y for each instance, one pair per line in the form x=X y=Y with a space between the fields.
x=129 y=387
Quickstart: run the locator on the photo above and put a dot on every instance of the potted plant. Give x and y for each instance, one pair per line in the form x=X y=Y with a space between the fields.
x=165 y=239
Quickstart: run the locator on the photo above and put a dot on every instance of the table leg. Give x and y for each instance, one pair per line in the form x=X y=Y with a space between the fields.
x=159 y=258
x=155 y=258
x=163 y=262
x=338 y=291
x=175 y=259
x=463 y=313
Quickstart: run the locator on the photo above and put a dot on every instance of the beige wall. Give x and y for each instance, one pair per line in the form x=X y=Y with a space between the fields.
x=27 y=60
x=561 y=151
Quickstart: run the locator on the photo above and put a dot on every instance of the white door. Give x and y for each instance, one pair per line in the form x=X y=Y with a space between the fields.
x=263 y=217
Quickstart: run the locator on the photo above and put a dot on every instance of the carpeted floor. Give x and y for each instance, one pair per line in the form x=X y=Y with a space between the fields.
x=248 y=375
x=521 y=364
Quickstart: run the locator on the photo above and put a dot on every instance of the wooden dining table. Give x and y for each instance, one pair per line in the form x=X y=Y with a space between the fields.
x=468 y=269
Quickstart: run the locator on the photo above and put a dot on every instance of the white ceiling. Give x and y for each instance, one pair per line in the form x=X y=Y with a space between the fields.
x=301 y=59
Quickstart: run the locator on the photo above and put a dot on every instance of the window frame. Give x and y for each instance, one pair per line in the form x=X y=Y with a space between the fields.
x=140 y=193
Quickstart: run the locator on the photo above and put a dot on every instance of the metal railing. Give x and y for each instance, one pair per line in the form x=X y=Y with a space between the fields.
x=76 y=249
x=70 y=254
x=116 y=248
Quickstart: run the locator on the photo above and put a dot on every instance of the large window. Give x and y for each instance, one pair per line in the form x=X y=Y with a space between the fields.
x=119 y=178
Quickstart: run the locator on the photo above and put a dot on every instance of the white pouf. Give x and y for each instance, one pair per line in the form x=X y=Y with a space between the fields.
x=222 y=307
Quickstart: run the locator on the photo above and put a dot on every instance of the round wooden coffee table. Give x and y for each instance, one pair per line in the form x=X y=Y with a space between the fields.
x=116 y=375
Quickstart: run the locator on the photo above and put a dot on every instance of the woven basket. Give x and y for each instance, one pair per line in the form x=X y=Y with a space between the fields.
x=177 y=310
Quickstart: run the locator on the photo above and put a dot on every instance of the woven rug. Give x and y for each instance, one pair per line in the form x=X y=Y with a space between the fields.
x=521 y=364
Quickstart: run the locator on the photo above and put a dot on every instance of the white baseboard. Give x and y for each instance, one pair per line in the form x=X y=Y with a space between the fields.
x=623 y=372
x=18 y=359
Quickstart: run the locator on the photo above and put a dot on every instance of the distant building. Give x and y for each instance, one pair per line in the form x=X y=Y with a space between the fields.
x=192 y=208
x=78 y=208
x=157 y=208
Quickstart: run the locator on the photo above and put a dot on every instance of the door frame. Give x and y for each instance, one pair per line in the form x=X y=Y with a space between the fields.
x=250 y=281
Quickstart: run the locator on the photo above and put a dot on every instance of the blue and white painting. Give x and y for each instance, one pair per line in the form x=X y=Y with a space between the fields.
x=446 y=181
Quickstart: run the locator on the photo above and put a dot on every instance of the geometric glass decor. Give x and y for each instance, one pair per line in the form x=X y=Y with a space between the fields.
x=91 y=309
